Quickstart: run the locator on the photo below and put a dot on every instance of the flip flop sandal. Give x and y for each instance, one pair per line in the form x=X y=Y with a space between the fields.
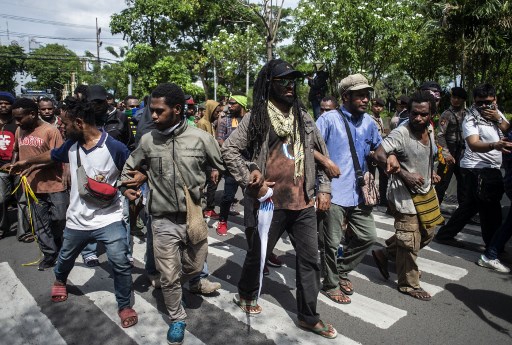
x=328 y=331
x=27 y=238
x=125 y=315
x=346 y=287
x=419 y=293
x=250 y=307
x=333 y=293
x=59 y=293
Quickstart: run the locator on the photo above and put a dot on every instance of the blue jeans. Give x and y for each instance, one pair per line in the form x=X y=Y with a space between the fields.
x=230 y=188
x=204 y=274
x=91 y=249
x=113 y=236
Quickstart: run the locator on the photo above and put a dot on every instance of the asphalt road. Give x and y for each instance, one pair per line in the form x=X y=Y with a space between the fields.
x=471 y=305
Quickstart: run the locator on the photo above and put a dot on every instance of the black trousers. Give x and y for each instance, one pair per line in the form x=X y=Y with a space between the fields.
x=490 y=211
x=211 y=188
x=454 y=169
x=302 y=230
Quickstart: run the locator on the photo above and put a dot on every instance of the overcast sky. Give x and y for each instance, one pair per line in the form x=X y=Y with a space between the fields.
x=81 y=14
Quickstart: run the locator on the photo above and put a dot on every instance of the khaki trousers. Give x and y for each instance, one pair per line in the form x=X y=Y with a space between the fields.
x=177 y=260
x=404 y=246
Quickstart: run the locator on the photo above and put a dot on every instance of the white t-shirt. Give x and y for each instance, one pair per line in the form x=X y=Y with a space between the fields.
x=489 y=132
x=103 y=162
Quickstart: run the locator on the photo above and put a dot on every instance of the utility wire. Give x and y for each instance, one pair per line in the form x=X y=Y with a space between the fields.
x=55 y=58
x=44 y=21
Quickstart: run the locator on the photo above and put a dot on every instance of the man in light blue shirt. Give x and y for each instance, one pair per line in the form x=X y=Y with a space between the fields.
x=347 y=204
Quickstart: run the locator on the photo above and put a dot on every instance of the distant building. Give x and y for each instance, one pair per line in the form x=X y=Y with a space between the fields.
x=21 y=80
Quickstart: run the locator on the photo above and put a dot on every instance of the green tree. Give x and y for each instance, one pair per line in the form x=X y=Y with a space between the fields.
x=270 y=16
x=350 y=36
x=179 y=29
x=168 y=68
x=52 y=66
x=11 y=62
x=236 y=56
x=152 y=21
x=479 y=37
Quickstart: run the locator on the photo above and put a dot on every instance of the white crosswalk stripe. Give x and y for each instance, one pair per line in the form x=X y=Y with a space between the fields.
x=443 y=270
x=21 y=319
x=276 y=323
x=97 y=286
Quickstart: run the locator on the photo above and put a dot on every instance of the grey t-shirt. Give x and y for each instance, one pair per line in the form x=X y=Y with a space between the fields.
x=413 y=157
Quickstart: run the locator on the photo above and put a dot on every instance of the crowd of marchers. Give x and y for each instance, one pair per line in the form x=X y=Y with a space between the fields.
x=88 y=170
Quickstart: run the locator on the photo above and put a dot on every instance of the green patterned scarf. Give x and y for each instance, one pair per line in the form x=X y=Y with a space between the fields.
x=283 y=126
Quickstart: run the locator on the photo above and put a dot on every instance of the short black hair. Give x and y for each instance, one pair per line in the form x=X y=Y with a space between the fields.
x=173 y=94
x=484 y=90
x=421 y=97
x=82 y=110
x=45 y=99
x=130 y=97
x=81 y=89
x=26 y=104
x=68 y=102
x=330 y=99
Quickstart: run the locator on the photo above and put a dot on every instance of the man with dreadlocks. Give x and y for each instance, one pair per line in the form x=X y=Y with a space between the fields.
x=273 y=148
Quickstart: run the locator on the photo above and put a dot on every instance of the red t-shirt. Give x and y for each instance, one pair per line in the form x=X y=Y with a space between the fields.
x=7 y=136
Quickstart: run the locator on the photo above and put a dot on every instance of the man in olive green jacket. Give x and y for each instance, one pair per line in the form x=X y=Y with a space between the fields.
x=174 y=156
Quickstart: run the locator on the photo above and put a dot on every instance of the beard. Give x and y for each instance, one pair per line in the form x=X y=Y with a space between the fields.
x=277 y=94
x=418 y=127
x=75 y=136
x=100 y=113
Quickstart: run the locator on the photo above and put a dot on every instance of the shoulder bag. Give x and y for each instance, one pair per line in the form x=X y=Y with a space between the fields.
x=197 y=229
x=366 y=181
x=427 y=205
x=91 y=191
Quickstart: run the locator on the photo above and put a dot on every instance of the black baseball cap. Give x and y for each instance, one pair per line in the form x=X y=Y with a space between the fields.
x=284 y=69
x=96 y=93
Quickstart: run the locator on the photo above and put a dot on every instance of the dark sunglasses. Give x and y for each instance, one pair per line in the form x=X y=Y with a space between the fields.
x=285 y=82
x=233 y=102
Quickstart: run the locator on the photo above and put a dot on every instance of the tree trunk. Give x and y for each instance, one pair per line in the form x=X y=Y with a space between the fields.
x=269 y=49
x=205 y=84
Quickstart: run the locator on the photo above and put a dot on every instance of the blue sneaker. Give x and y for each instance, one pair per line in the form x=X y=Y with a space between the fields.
x=176 y=333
